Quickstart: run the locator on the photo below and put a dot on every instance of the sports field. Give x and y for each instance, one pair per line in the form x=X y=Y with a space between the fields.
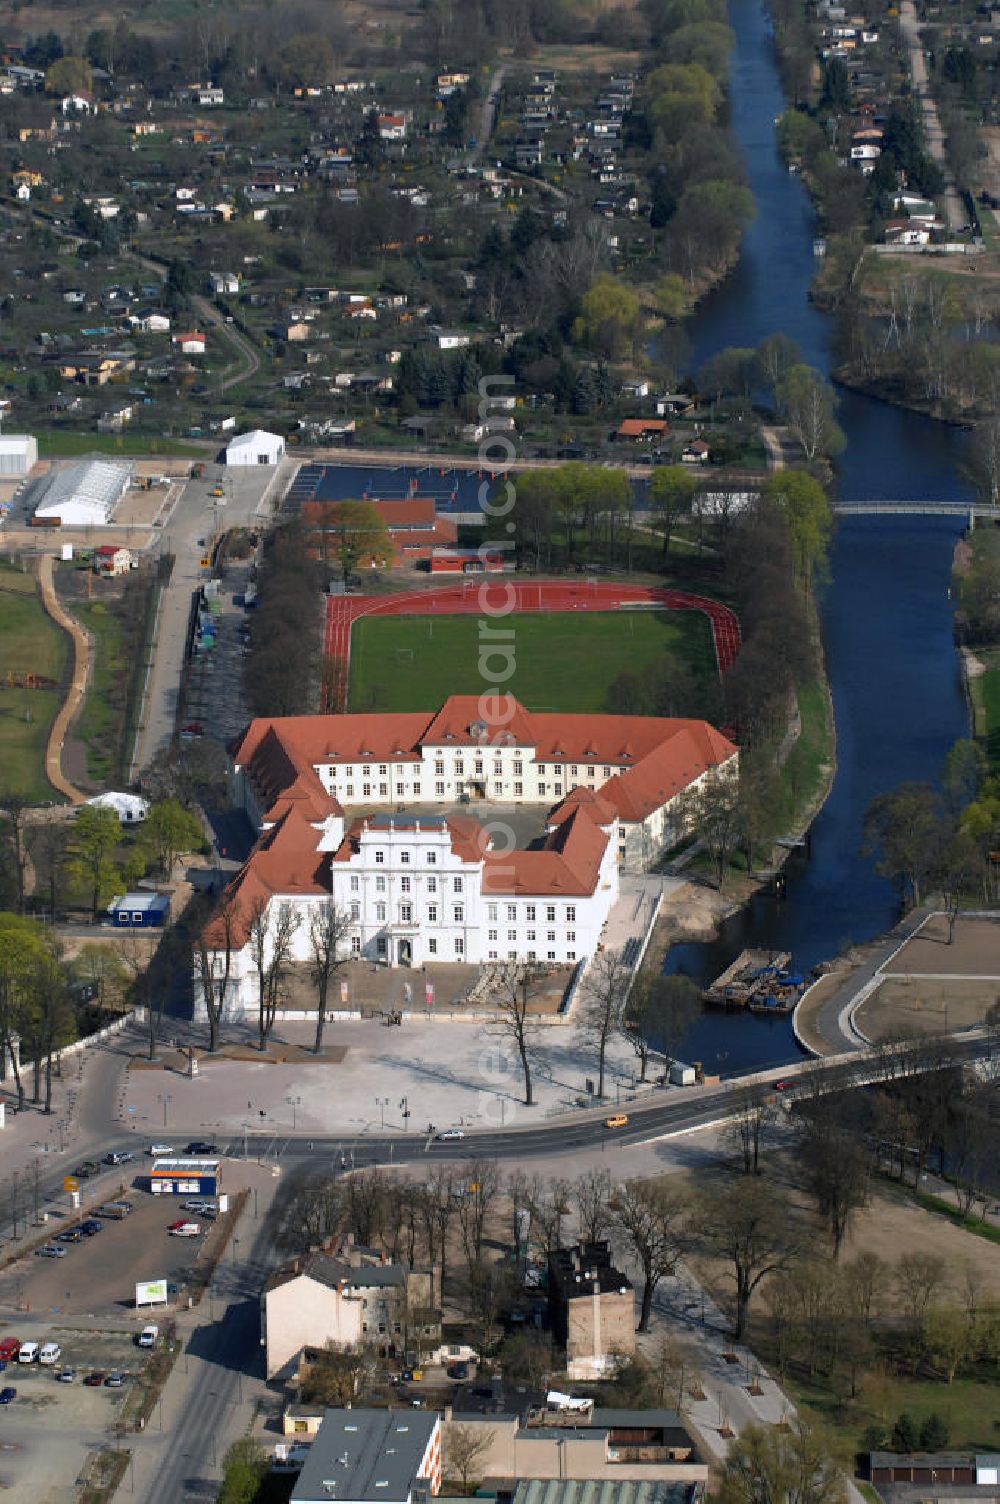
x=562 y=660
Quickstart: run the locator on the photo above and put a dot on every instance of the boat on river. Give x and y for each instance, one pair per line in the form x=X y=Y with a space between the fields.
x=752 y=981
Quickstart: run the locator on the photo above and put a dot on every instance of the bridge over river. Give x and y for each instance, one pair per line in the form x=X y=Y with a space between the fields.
x=975 y=511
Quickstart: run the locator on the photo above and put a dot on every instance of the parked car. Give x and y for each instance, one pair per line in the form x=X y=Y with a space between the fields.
x=201 y=1208
x=66 y=1375
x=118 y=1157
x=86 y=1169
x=95 y=1380
x=115 y=1379
x=89 y=1226
x=458 y=1370
x=7 y=1395
x=9 y=1349
x=159 y=1150
x=70 y=1235
x=49 y=1353
x=50 y=1251
x=185 y=1229
x=200 y=1146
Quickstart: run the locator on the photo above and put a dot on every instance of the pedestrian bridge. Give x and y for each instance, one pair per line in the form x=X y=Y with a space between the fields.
x=972 y=510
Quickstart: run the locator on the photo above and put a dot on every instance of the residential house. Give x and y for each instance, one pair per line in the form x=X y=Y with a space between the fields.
x=191 y=342
x=591 y=1308
x=695 y=453
x=347 y=1296
x=112 y=559
x=392 y=126
x=224 y=284
x=116 y=418
x=642 y=430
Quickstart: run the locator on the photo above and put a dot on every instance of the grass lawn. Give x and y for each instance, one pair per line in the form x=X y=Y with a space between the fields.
x=989 y=688
x=99 y=723
x=970 y=1406
x=564 y=661
x=59 y=442
x=30 y=642
x=807 y=765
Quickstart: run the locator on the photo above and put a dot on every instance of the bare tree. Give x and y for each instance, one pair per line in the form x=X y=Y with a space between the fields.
x=514 y=1020
x=650 y=1215
x=328 y=929
x=594 y=1216
x=919 y=1276
x=549 y=1201
x=271 y=948
x=605 y=994
x=133 y=953
x=751 y=1118
x=15 y=807
x=212 y=972
x=367 y=1195
x=465 y=1447
x=746 y=1224
x=482 y=1187
x=437 y=1212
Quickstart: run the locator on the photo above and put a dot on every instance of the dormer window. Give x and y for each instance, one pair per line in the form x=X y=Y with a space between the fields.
x=478 y=728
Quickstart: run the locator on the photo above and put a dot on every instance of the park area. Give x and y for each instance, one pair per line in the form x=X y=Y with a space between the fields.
x=562 y=660
x=33 y=651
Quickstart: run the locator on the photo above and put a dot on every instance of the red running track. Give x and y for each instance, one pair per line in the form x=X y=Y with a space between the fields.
x=500 y=596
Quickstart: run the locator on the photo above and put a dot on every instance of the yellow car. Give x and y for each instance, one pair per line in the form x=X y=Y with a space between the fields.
x=617 y=1120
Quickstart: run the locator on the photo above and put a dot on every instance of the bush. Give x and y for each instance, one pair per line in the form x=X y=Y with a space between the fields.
x=905 y=1434
x=934 y=1432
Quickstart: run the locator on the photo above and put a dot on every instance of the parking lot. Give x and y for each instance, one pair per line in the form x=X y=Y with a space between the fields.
x=48 y=1430
x=99 y=1274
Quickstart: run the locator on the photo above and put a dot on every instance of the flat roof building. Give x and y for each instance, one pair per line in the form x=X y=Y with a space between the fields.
x=18 y=453
x=371 y=1457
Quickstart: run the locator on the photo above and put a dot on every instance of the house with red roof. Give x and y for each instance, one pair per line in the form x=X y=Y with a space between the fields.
x=335 y=799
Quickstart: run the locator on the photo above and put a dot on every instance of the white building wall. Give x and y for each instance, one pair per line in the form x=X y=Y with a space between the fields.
x=306 y=1313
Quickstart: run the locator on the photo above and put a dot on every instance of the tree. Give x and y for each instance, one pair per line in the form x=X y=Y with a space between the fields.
x=650 y=1215
x=307 y=60
x=949 y=1338
x=24 y=946
x=465 y=1447
x=605 y=992
x=962 y=776
x=514 y=1018
x=905 y=831
x=609 y=316
x=751 y=1118
x=169 y=830
x=775 y=355
x=245 y=1467
x=329 y=927
x=271 y=938
x=671 y=490
x=592 y=1191
x=213 y=960
x=837 y=1169
x=481 y=1191
x=805 y=508
x=919 y=1276
x=69 y=75
x=52 y=1021
x=808 y=403
x=95 y=838
x=660 y=1010
x=335 y=1377
x=354 y=531
x=746 y=1224
x=765 y=1465
x=15 y=807
x=713 y=810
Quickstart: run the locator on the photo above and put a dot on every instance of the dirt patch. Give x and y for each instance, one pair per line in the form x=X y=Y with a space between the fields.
x=974 y=951
x=925 y=1005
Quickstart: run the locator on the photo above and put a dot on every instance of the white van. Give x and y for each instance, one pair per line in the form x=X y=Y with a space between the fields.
x=51 y=1353
x=28 y=1353
x=148 y=1336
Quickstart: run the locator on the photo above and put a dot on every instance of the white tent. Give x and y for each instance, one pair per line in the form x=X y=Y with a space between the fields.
x=129 y=808
x=84 y=495
x=256 y=448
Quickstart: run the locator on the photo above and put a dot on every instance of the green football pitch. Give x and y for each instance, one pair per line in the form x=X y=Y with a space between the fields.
x=562 y=660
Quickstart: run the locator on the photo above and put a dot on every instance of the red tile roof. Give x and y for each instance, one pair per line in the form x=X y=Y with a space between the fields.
x=634 y=428
x=566 y=864
x=283 y=862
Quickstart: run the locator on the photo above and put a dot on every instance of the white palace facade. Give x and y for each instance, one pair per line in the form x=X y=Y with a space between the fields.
x=367 y=813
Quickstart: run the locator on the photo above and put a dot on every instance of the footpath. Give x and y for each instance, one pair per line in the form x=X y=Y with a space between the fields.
x=78 y=683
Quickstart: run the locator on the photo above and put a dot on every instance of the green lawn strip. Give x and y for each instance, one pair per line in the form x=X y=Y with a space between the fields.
x=807 y=764
x=30 y=643
x=989 y=686
x=99 y=725
x=61 y=442
x=954 y=1214
x=970 y=1406
x=562 y=660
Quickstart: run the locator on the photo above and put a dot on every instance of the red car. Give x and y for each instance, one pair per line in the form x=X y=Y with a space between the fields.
x=784 y=1084
x=9 y=1349
x=94 y=1380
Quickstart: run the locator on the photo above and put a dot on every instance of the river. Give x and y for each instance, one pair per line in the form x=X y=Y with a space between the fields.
x=887 y=629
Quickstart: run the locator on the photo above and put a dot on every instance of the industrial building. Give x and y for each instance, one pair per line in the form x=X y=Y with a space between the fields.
x=18 y=454
x=256 y=448
x=83 y=495
x=372 y=1457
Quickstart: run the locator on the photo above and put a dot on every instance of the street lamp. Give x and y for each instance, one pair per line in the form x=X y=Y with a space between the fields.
x=294 y=1102
x=382 y=1103
x=164 y=1097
